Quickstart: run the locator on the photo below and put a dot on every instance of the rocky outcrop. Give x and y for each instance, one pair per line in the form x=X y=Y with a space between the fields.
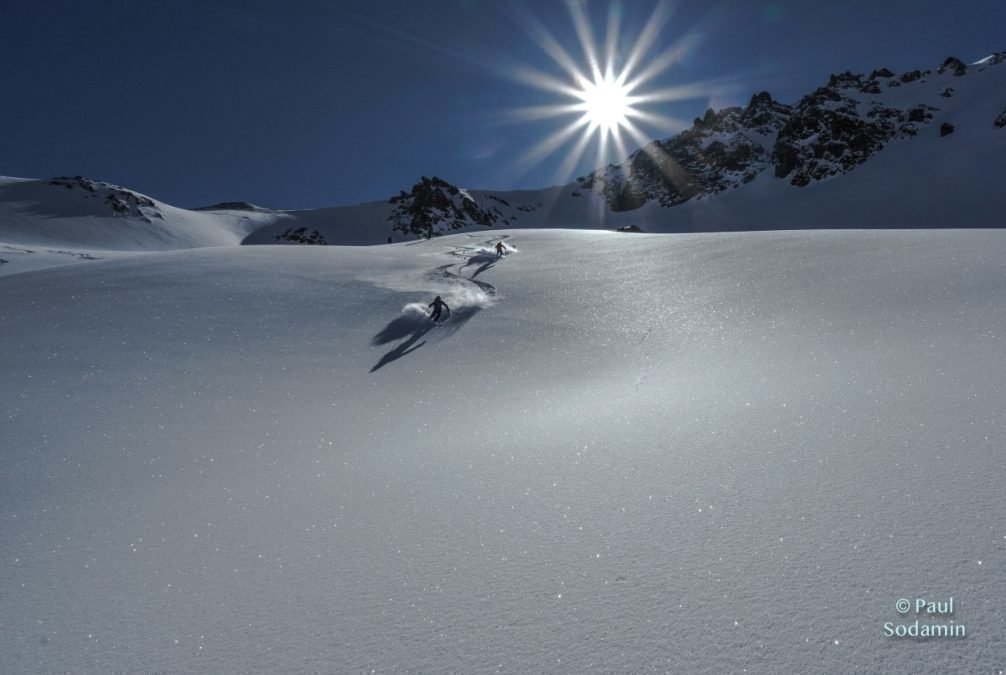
x=721 y=151
x=119 y=201
x=954 y=65
x=301 y=236
x=1001 y=120
x=434 y=207
x=946 y=129
x=834 y=129
x=920 y=114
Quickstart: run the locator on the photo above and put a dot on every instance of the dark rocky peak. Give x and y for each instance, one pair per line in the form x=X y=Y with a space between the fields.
x=435 y=183
x=846 y=80
x=912 y=76
x=867 y=85
x=428 y=191
x=954 y=65
x=435 y=206
x=819 y=96
x=881 y=72
x=764 y=114
x=722 y=120
x=708 y=120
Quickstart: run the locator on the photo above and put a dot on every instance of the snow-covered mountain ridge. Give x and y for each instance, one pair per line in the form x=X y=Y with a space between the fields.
x=919 y=149
x=829 y=132
x=89 y=214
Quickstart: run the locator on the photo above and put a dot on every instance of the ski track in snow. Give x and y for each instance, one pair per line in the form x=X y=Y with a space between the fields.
x=464 y=295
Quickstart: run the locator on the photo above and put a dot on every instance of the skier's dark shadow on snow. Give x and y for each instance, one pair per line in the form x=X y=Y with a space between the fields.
x=484 y=260
x=409 y=329
x=406 y=328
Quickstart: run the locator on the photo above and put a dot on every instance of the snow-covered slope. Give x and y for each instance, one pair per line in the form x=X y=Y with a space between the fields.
x=78 y=212
x=691 y=453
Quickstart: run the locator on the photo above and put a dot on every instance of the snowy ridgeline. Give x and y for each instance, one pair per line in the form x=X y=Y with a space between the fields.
x=920 y=149
x=695 y=453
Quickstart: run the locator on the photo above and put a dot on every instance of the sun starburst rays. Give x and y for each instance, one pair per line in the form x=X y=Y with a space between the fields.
x=603 y=94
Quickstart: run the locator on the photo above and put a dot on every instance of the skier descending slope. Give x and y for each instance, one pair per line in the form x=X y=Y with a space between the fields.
x=500 y=248
x=438 y=305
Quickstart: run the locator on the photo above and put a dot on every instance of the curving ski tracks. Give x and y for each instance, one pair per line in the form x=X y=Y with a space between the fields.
x=408 y=330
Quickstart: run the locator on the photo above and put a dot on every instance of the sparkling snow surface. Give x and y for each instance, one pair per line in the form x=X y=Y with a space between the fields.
x=695 y=453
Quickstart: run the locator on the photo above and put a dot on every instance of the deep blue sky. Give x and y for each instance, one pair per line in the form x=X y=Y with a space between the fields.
x=309 y=103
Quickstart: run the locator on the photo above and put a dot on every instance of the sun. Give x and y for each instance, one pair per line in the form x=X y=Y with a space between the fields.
x=608 y=87
x=606 y=105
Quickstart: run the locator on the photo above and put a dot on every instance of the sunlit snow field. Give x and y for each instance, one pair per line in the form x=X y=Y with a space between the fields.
x=695 y=453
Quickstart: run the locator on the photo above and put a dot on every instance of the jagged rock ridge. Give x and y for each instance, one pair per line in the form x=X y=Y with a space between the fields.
x=722 y=150
x=834 y=129
x=829 y=132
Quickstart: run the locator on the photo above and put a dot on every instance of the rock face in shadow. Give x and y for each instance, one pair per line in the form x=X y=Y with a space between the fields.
x=836 y=128
x=434 y=207
x=301 y=235
x=954 y=65
x=720 y=151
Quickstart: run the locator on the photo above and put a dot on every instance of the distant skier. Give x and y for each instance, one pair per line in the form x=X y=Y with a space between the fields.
x=438 y=305
x=500 y=248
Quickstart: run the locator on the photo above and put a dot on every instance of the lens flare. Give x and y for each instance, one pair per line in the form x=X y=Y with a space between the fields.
x=605 y=90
